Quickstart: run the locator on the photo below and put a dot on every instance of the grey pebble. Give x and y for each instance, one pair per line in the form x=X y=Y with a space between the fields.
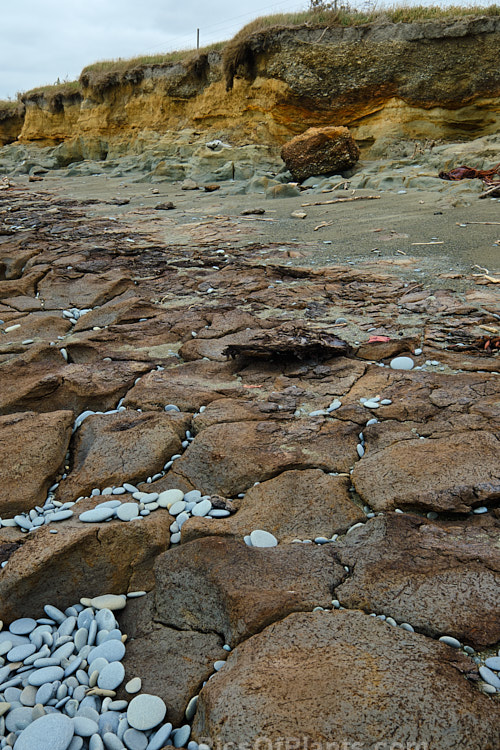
x=450 y=641
x=22 y=626
x=135 y=740
x=146 y=711
x=111 y=676
x=493 y=662
x=85 y=727
x=96 y=515
x=159 y=738
x=50 y=732
x=489 y=677
x=182 y=735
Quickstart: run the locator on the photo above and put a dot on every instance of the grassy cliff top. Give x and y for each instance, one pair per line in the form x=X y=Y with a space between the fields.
x=106 y=73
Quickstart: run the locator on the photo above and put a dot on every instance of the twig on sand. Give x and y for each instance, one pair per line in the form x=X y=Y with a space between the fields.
x=323 y=224
x=343 y=200
x=496 y=223
x=434 y=242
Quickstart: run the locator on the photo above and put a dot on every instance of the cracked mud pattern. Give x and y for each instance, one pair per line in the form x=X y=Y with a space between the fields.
x=381 y=485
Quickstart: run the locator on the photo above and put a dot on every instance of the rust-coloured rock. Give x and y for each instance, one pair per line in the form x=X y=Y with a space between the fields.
x=440 y=577
x=296 y=504
x=343 y=677
x=32 y=450
x=327 y=150
x=223 y=586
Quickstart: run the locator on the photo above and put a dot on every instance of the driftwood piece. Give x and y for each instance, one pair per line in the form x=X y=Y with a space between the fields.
x=290 y=341
x=343 y=200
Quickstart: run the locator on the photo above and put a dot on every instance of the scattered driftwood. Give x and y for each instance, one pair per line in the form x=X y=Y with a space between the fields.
x=290 y=341
x=495 y=223
x=323 y=224
x=343 y=200
x=493 y=191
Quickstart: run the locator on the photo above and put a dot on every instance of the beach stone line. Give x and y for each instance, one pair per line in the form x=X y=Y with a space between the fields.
x=50 y=732
x=296 y=504
x=352 y=667
x=146 y=711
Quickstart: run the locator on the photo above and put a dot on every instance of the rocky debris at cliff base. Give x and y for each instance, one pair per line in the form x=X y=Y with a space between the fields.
x=317 y=151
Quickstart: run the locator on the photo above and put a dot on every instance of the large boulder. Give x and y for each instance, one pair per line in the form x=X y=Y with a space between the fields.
x=344 y=679
x=327 y=150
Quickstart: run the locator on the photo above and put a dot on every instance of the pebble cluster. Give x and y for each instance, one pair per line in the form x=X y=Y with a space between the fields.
x=58 y=680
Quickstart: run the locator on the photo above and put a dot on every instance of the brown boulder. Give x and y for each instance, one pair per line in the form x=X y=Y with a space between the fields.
x=223 y=586
x=455 y=473
x=82 y=559
x=349 y=680
x=32 y=451
x=228 y=459
x=442 y=578
x=304 y=504
x=113 y=448
x=327 y=150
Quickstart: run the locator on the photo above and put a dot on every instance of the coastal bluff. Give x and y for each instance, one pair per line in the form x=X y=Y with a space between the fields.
x=385 y=81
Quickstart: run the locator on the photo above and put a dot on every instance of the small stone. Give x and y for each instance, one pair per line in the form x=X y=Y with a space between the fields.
x=146 y=711
x=402 y=363
x=489 y=677
x=127 y=511
x=181 y=735
x=177 y=508
x=135 y=740
x=112 y=650
x=45 y=674
x=20 y=653
x=133 y=685
x=201 y=509
x=97 y=514
x=23 y=626
x=85 y=727
x=61 y=515
x=50 y=732
x=371 y=404
x=169 y=497
x=108 y=601
x=450 y=641
x=191 y=708
x=493 y=662
x=260 y=538
x=111 y=676
x=159 y=738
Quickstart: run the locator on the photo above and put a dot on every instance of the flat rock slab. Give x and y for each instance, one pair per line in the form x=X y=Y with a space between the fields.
x=112 y=448
x=228 y=459
x=66 y=289
x=172 y=664
x=441 y=577
x=223 y=586
x=188 y=386
x=296 y=504
x=81 y=560
x=455 y=473
x=342 y=677
x=32 y=451
x=46 y=383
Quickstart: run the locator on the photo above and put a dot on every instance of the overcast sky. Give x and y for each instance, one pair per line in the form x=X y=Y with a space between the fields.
x=43 y=40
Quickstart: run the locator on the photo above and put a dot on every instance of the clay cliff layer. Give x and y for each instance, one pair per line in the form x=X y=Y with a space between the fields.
x=385 y=81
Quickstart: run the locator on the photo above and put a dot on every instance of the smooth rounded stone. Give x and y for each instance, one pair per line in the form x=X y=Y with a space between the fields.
x=202 y=508
x=191 y=708
x=6 y=646
x=127 y=511
x=182 y=735
x=60 y=515
x=109 y=601
x=12 y=695
x=177 y=508
x=135 y=740
x=159 y=738
x=76 y=743
x=112 y=741
x=136 y=594
x=489 y=677
x=18 y=719
x=4 y=707
x=80 y=638
x=105 y=619
x=219 y=513
x=97 y=665
x=146 y=711
x=111 y=650
x=20 y=653
x=85 y=618
x=92 y=633
x=111 y=676
x=50 y=732
x=371 y=404
x=192 y=495
x=108 y=722
x=171 y=407
x=45 y=674
x=96 y=742
x=23 y=522
x=96 y=515
x=109 y=504
x=182 y=518
x=219 y=664
x=23 y=626
x=169 y=497
x=192 y=745
x=28 y=696
x=260 y=538
x=4 y=673
x=119 y=491
x=133 y=685
x=246 y=539
x=336 y=404
x=450 y=641
x=85 y=727
x=117 y=705
x=175 y=538
x=493 y=662
x=402 y=363
x=360 y=450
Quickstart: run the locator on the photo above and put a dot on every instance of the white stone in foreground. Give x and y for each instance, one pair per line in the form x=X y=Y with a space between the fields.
x=109 y=601
x=146 y=711
x=260 y=538
x=402 y=363
x=51 y=732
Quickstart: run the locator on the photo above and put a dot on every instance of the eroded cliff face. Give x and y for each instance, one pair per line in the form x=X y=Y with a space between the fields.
x=386 y=82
